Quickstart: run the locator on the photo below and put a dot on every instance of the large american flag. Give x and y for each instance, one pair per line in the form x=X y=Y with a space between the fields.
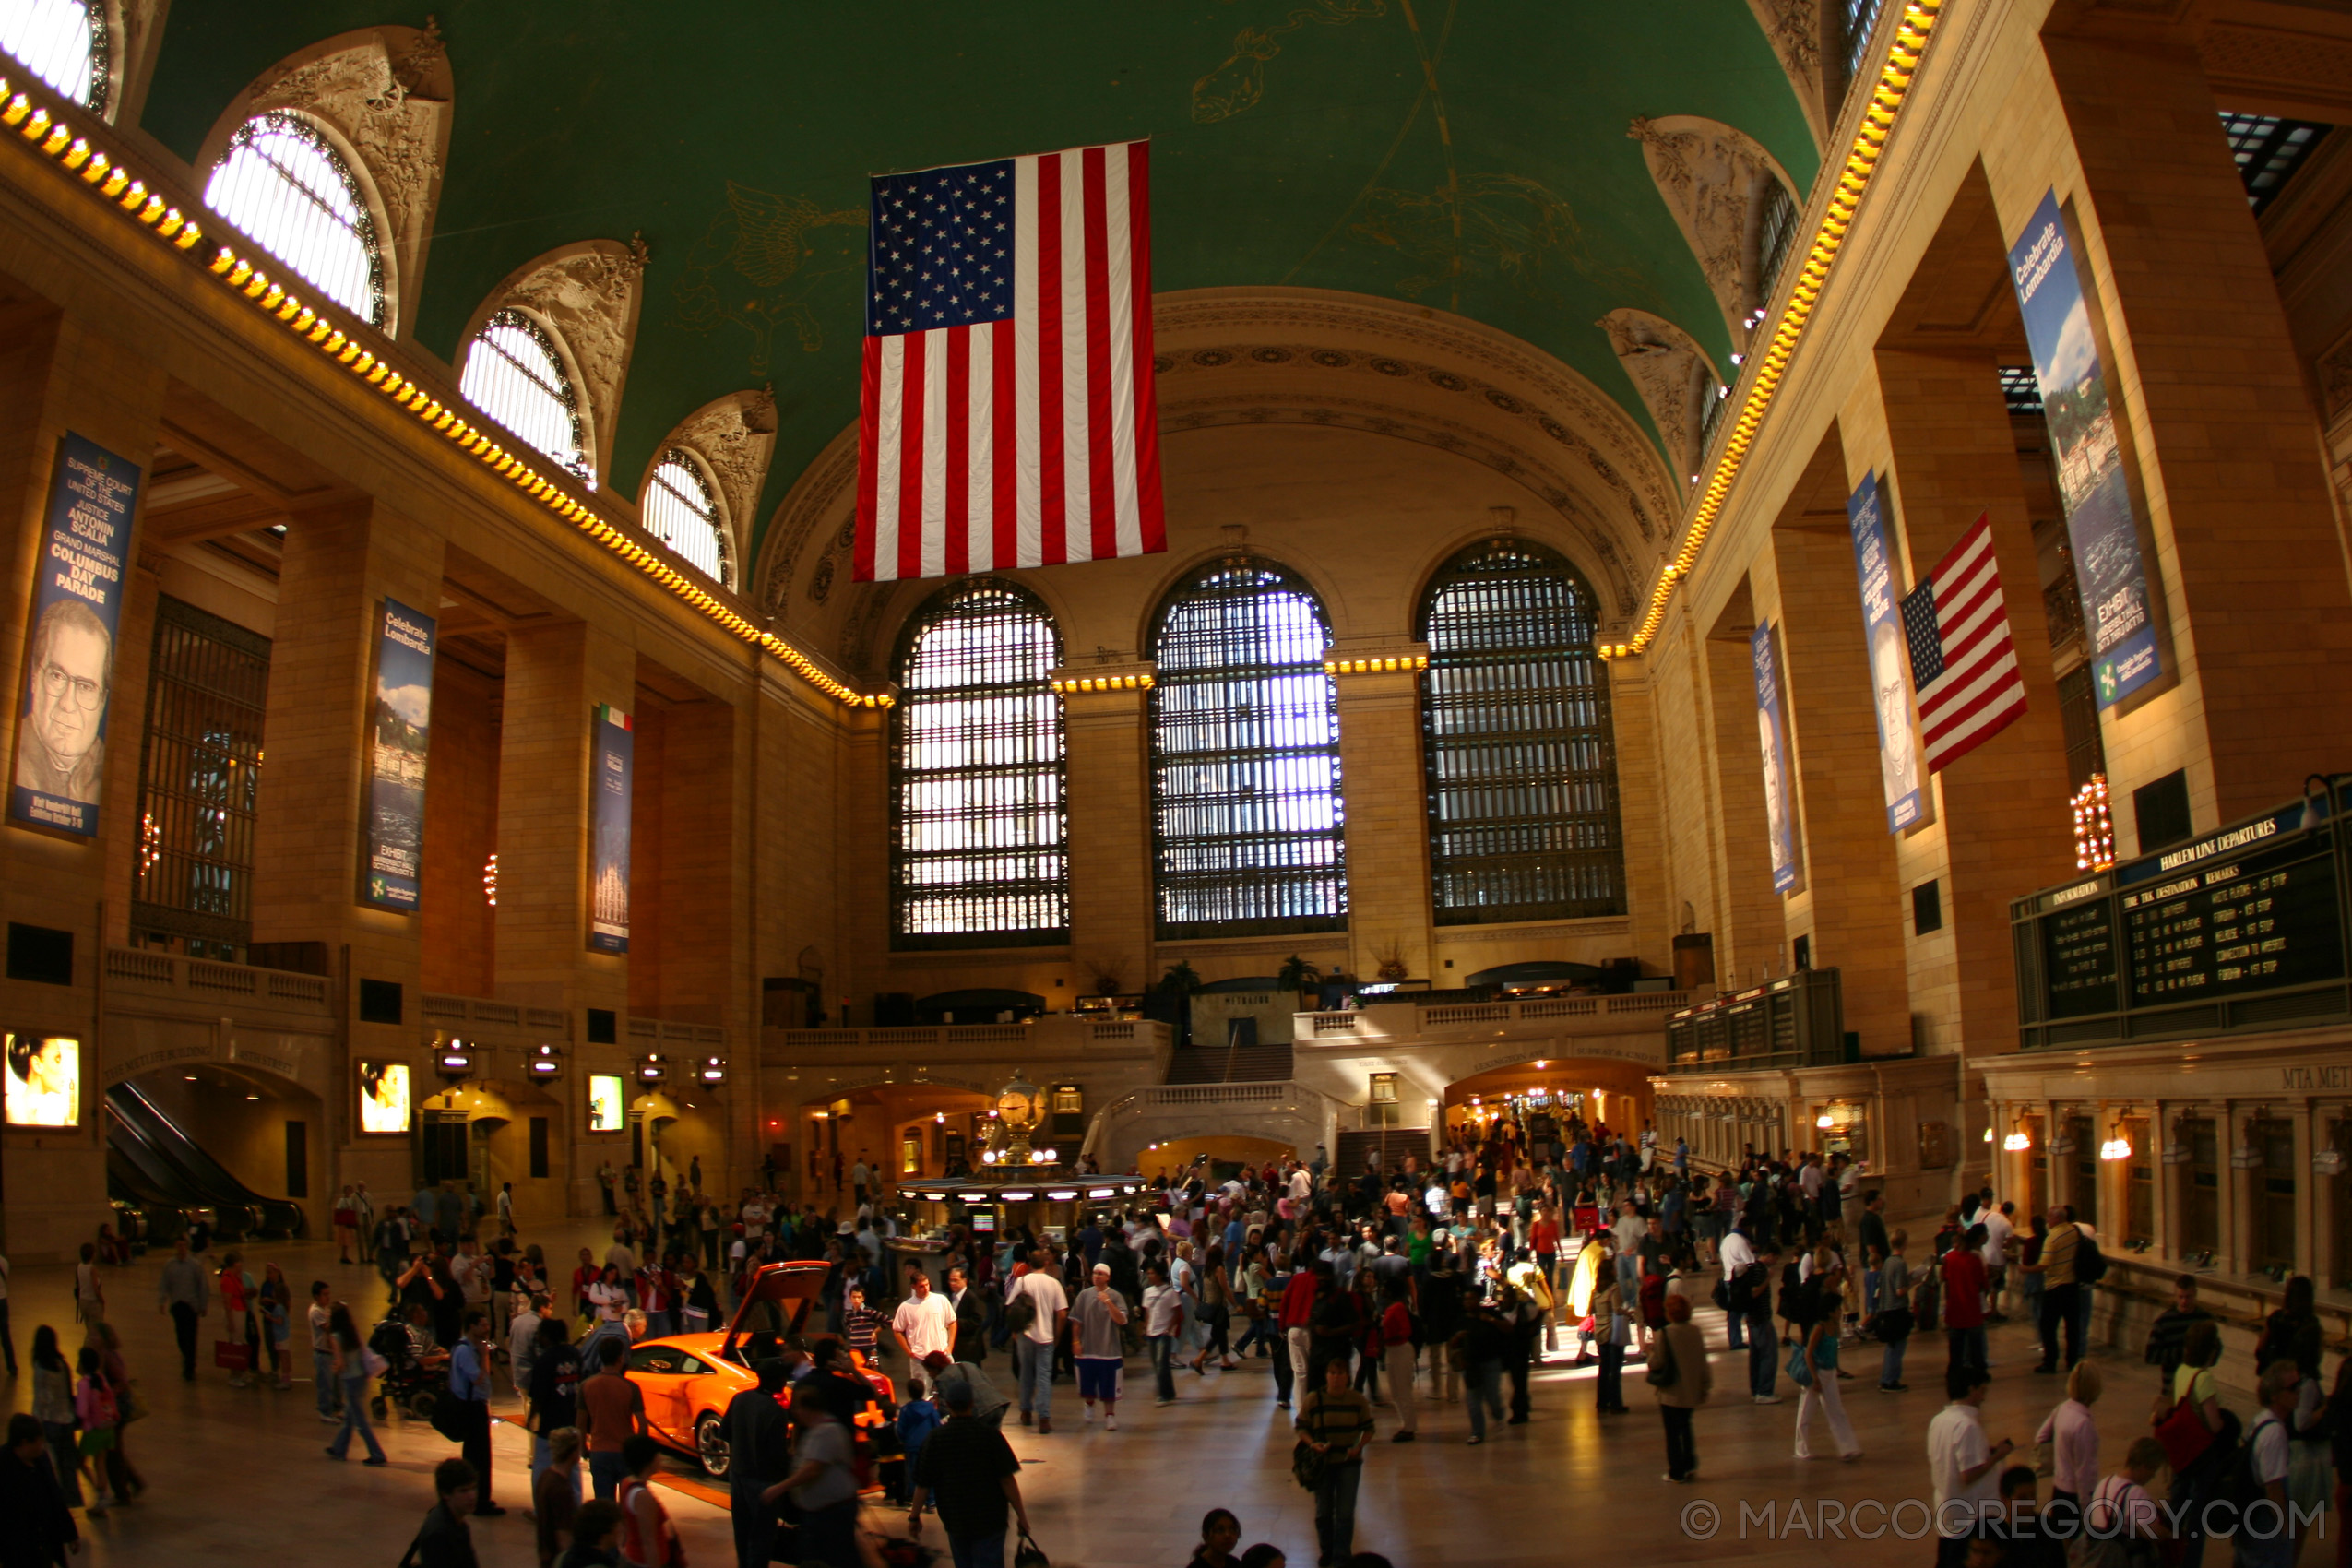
x=1008 y=417
x=1964 y=664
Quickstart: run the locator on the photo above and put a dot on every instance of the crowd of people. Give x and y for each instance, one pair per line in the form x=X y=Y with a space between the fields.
x=1396 y=1303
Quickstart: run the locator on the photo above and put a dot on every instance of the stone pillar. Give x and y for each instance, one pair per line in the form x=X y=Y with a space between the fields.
x=1109 y=774
x=1750 y=928
x=1380 y=779
x=341 y=561
x=55 y=377
x=1851 y=903
x=2003 y=806
x=2220 y=422
x=555 y=678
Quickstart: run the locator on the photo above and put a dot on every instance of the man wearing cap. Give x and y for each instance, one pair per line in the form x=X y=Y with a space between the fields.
x=1101 y=1313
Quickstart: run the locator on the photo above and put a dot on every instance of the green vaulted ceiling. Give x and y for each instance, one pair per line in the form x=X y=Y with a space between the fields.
x=1470 y=155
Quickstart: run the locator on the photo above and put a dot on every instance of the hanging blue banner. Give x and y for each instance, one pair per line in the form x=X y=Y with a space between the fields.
x=1898 y=750
x=613 y=758
x=2101 y=526
x=69 y=664
x=1780 y=803
x=403 y=731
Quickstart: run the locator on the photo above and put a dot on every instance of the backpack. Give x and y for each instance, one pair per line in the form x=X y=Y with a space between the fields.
x=2090 y=1263
x=1020 y=1313
x=1923 y=1303
x=389 y=1340
x=2241 y=1487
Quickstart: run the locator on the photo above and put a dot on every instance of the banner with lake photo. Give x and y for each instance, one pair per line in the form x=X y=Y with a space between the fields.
x=613 y=757
x=402 y=730
x=69 y=659
x=2101 y=526
x=1898 y=750
x=1780 y=806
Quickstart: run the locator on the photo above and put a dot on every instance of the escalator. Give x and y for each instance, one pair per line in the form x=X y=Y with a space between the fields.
x=149 y=1210
x=160 y=1148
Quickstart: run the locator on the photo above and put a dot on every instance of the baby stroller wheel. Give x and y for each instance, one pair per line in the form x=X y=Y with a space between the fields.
x=421 y=1405
x=376 y=1407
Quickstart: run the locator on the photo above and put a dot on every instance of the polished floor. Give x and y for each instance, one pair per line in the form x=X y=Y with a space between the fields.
x=240 y=1476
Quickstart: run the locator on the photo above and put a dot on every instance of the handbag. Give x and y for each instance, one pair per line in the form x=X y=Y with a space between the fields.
x=1800 y=1370
x=1662 y=1370
x=1307 y=1465
x=234 y=1354
x=129 y=1406
x=1029 y=1555
x=449 y=1414
x=2184 y=1434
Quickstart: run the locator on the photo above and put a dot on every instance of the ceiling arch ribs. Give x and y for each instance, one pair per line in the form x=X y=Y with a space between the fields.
x=385 y=95
x=1714 y=180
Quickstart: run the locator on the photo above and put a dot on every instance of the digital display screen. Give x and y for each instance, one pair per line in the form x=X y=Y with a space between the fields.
x=383 y=1097
x=44 y=1085
x=2265 y=920
x=605 y=1114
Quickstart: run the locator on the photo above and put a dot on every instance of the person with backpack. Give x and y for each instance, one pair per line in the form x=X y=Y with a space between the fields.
x=1894 y=1319
x=2058 y=1289
x=2256 y=1485
x=1748 y=1295
x=2198 y=1435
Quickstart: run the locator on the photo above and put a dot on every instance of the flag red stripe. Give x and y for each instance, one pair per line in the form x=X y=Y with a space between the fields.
x=1103 y=501
x=1006 y=429
x=1154 y=527
x=910 y=460
x=1052 y=506
x=1936 y=718
x=1993 y=717
x=957 y=482
x=869 y=426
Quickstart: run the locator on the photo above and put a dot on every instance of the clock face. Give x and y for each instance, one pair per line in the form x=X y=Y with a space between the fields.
x=1019 y=1109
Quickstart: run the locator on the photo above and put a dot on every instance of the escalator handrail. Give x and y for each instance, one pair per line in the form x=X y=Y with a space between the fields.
x=198 y=1171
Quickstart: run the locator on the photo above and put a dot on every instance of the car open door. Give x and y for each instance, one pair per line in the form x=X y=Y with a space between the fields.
x=777 y=1300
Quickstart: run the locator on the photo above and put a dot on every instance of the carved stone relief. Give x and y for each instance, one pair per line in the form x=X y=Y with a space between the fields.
x=1714 y=179
x=735 y=435
x=590 y=295
x=1793 y=27
x=1672 y=372
x=386 y=93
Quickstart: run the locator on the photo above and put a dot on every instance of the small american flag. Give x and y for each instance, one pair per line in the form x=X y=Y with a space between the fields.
x=1006 y=417
x=1964 y=665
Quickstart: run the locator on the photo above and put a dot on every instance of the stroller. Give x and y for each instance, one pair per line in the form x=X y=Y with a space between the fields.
x=413 y=1388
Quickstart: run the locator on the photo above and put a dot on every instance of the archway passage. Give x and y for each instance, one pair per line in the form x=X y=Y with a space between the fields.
x=1543 y=1093
x=1226 y=1153
x=485 y=1134
x=897 y=1131
x=258 y=1171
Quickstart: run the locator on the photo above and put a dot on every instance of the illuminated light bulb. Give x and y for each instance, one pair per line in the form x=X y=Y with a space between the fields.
x=2015 y=1143
x=115 y=180
x=130 y=199
x=78 y=154
x=35 y=126
x=58 y=138
x=19 y=107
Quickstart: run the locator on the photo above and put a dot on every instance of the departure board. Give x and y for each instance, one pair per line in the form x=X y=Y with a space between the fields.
x=2245 y=928
x=2261 y=921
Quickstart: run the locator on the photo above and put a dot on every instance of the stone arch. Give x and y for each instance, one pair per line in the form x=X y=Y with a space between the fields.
x=732 y=437
x=382 y=97
x=1675 y=377
x=1794 y=30
x=1715 y=178
x=586 y=295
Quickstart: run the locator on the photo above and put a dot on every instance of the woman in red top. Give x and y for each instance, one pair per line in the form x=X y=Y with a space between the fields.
x=1543 y=1240
x=1397 y=1338
x=647 y=1537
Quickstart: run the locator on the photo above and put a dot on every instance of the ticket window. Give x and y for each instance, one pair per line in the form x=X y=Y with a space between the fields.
x=2139 y=1185
x=2083 y=1191
x=2340 y=1265
x=2273 y=1231
x=2200 y=1181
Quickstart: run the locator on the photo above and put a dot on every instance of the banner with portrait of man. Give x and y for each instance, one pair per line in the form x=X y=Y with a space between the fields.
x=1898 y=748
x=60 y=766
x=1772 y=738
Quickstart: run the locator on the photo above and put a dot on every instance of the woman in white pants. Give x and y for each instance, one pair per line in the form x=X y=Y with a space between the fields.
x=1396 y=1332
x=1819 y=1353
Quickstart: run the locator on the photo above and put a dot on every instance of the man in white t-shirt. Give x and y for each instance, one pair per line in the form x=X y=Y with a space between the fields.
x=1997 y=1230
x=322 y=1351
x=1965 y=1468
x=1049 y=1306
x=2267 y=1539
x=924 y=1321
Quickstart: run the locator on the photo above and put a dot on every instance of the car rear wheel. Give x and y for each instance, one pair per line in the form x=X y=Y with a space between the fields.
x=710 y=1444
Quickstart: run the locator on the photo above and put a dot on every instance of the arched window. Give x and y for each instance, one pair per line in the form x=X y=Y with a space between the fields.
x=283 y=183
x=1517 y=739
x=514 y=374
x=980 y=836
x=680 y=511
x=1246 y=813
x=62 y=42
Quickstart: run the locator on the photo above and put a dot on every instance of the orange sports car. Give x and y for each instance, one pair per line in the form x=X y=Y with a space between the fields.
x=688 y=1378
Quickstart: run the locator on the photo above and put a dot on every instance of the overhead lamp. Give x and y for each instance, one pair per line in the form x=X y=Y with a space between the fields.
x=452 y=1059
x=712 y=1071
x=2017 y=1142
x=1823 y=1122
x=544 y=1064
x=1988 y=1134
x=2117 y=1147
x=654 y=1069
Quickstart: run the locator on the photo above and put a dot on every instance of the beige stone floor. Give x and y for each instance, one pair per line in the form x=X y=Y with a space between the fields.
x=241 y=1476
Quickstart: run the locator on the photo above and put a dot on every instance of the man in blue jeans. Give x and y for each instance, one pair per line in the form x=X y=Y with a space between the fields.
x=1752 y=1298
x=612 y=1408
x=1048 y=1305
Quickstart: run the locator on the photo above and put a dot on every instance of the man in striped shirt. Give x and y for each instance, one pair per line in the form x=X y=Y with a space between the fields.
x=1336 y=1421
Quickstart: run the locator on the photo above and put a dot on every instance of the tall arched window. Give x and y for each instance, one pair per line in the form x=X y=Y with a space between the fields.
x=680 y=510
x=514 y=374
x=1517 y=739
x=980 y=836
x=64 y=43
x=283 y=183
x=1245 y=757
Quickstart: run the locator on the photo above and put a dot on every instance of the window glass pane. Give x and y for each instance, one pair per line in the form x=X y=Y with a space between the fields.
x=283 y=183
x=62 y=42
x=198 y=767
x=514 y=375
x=2268 y=150
x=1245 y=758
x=1519 y=746
x=681 y=512
x=980 y=839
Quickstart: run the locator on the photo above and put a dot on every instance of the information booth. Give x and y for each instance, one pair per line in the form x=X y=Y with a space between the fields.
x=1050 y=1205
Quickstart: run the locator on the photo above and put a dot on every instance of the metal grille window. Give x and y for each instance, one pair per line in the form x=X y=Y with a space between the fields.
x=1859 y=17
x=980 y=829
x=1711 y=411
x=2268 y=150
x=514 y=374
x=2078 y=718
x=64 y=43
x=198 y=771
x=284 y=184
x=1246 y=814
x=1517 y=741
x=681 y=511
x=2020 y=390
x=1776 y=235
